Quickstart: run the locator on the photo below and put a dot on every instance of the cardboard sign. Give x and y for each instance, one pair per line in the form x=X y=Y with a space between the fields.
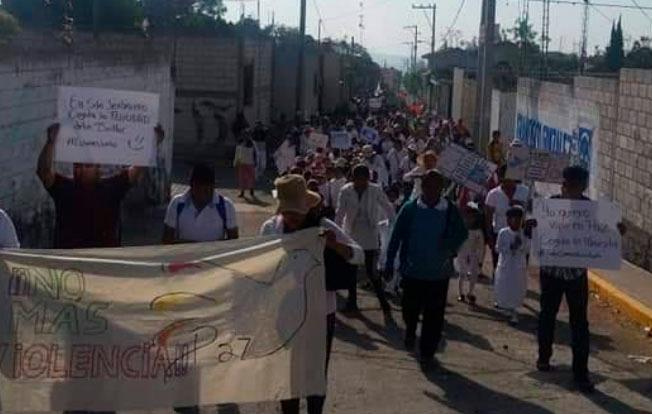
x=340 y=140
x=533 y=164
x=316 y=140
x=103 y=126
x=284 y=157
x=150 y=328
x=465 y=167
x=375 y=103
x=577 y=234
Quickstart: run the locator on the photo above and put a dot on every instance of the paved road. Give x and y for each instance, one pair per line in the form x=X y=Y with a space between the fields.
x=486 y=365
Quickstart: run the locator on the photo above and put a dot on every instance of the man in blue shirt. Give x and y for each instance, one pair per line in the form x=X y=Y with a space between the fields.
x=429 y=231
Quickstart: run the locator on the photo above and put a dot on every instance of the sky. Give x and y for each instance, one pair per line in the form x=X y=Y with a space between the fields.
x=384 y=21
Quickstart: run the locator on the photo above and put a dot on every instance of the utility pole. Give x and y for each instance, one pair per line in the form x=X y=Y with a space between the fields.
x=300 y=65
x=485 y=73
x=431 y=87
x=416 y=42
x=585 y=28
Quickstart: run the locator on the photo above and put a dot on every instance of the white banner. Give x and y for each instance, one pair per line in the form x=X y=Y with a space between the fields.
x=577 y=233
x=103 y=126
x=340 y=140
x=375 y=103
x=162 y=327
x=534 y=164
x=465 y=167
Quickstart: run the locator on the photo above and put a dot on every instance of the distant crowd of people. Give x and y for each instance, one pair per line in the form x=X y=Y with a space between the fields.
x=382 y=206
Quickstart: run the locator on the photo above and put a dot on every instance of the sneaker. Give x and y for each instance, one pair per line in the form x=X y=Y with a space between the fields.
x=461 y=298
x=471 y=299
x=544 y=366
x=585 y=386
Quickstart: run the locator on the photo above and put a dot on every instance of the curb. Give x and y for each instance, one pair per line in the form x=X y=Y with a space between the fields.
x=631 y=307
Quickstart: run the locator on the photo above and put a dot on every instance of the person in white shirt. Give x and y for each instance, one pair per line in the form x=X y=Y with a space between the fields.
x=332 y=188
x=426 y=162
x=376 y=164
x=396 y=157
x=200 y=214
x=8 y=238
x=245 y=165
x=353 y=132
x=512 y=245
x=497 y=202
x=361 y=207
x=296 y=212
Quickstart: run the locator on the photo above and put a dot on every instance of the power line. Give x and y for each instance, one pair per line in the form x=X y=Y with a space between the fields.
x=357 y=12
x=457 y=15
x=642 y=11
x=581 y=3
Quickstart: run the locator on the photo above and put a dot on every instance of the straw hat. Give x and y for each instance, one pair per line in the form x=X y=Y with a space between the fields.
x=293 y=194
x=340 y=163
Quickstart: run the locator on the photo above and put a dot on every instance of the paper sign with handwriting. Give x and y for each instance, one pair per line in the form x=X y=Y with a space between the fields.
x=104 y=126
x=536 y=164
x=577 y=233
x=284 y=157
x=340 y=140
x=146 y=328
x=316 y=140
x=465 y=167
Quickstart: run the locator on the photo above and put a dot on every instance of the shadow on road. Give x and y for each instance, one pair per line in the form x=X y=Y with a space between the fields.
x=462 y=394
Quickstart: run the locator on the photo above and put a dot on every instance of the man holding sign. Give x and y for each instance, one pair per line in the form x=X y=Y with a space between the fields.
x=572 y=282
x=87 y=205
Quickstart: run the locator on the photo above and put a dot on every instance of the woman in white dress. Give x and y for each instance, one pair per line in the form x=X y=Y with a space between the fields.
x=512 y=247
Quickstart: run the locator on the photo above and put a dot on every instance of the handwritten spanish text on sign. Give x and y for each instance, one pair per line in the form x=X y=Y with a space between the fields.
x=340 y=140
x=465 y=167
x=577 y=233
x=284 y=157
x=536 y=164
x=316 y=140
x=103 y=126
x=159 y=327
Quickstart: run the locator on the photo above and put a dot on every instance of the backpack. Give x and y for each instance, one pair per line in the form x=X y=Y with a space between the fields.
x=220 y=206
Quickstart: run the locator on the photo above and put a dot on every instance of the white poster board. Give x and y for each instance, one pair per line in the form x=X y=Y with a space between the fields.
x=577 y=233
x=536 y=165
x=150 y=328
x=104 y=126
x=340 y=140
x=284 y=157
x=375 y=103
x=465 y=167
x=316 y=140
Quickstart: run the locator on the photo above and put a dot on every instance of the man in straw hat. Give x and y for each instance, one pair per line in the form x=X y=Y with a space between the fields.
x=296 y=212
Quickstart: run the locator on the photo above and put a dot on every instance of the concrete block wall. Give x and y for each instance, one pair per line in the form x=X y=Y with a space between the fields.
x=624 y=145
x=209 y=88
x=32 y=67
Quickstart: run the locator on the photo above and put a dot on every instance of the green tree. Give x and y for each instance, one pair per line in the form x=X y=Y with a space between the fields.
x=8 y=25
x=639 y=57
x=116 y=14
x=523 y=33
x=615 y=55
x=187 y=13
x=414 y=83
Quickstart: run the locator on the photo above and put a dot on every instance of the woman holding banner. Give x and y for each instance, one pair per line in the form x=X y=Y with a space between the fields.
x=296 y=211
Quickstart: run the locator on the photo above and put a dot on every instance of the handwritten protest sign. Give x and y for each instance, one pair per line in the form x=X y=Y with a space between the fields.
x=316 y=140
x=159 y=327
x=340 y=140
x=102 y=126
x=465 y=167
x=375 y=103
x=576 y=233
x=284 y=157
x=534 y=164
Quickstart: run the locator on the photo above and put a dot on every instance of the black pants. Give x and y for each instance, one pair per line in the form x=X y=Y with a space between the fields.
x=315 y=402
x=370 y=259
x=577 y=297
x=229 y=408
x=427 y=298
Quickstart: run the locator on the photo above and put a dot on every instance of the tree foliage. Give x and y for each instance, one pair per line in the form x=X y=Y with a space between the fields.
x=8 y=25
x=615 y=55
x=185 y=13
x=523 y=34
